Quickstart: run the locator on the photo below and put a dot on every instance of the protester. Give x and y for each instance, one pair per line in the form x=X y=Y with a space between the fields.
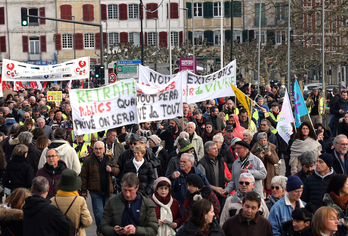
x=208 y=132
x=278 y=186
x=316 y=106
x=340 y=164
x=325 y=222
x=41 y=143
x=327 y=142
x=225 y=153
x=307 y=161
x=196 y=141
x=170 y=134
x=167 y=208
x=248 y=137
x=160 y=153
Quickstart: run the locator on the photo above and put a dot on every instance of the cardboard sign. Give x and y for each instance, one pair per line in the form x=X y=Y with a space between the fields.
x=53 y=96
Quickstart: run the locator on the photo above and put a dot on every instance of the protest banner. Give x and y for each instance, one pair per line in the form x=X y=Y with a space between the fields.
x=54 y=96
x=152 y=78
x=104 y=108
x=70 y=70
x=284 y=126
x=158 y=103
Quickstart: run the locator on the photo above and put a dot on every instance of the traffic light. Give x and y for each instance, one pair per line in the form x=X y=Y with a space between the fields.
x=24 y=16
x=97 y=71
x=115 y=68
x=102 y=71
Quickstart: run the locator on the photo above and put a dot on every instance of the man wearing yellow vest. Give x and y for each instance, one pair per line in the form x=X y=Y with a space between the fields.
x=316 y=107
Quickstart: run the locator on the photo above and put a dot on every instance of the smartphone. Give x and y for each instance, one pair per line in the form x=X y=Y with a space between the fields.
x=120 y=227
x=168 y=222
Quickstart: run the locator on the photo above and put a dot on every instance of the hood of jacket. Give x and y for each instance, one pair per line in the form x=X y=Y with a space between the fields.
x=9 y=214
x=60 y=146
x=13 y=141
x=34 y=204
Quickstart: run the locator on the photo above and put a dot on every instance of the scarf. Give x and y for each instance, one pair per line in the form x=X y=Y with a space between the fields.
x=245 y=162
x=61 y=193
x=341 y=201
x=208 y=137
x=259 y=148
x=165 y=214
x=138 y=164
x=298 y=147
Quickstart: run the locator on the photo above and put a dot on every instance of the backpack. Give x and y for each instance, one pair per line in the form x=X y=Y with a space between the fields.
x=73 y=230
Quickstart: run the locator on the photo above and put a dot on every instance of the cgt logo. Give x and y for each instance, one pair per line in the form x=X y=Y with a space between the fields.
x=80 y=70
x=11 y=72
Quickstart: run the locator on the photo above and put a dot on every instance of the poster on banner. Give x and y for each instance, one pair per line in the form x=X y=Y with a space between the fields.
x=54 y=96
x=159 y=103
x=71 y=70
x=152 y=78
x=104 y=108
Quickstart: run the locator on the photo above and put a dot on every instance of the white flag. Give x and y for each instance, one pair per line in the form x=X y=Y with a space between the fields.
x=39 y=85
x=69 y=84
x=286 y=117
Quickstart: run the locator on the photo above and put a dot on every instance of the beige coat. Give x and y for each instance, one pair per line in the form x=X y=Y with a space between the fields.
x=78 y=213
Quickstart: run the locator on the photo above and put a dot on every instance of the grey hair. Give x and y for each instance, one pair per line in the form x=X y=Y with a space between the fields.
x=143 y=138
x=13 y=129
x=338 y=137
x=248 y=176
x=40 y=118
x=39 y=185
x=219 y=137
x=197 y=111
x=191 y=157
x=25 y=137
x=194 y=125
x=267 y=121
x=6 y=108
x=308 y=158
x=281 y=180
x=208 y=144
x=248 y=132
x=261 y=135
x=182 y=134
x=127 y=138
x=99 y=142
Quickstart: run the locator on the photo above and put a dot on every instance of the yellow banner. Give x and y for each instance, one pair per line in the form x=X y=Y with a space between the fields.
x=244 y=100
x=53 y=96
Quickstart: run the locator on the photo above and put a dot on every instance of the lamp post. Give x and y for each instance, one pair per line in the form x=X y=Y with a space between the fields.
x=185 y=37
x=74 y=38
x=156 y=45
x=170 y=40
x=289 y=72
x=193 y=38
x=259 y=47
x=142 y=33
x=323 y=46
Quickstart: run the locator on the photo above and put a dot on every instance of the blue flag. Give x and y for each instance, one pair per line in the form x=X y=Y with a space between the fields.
x=300 y=105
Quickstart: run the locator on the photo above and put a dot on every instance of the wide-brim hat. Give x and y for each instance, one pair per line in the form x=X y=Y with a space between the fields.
x=69 y=181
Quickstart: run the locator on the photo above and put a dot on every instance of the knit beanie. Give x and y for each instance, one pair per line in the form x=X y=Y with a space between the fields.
x=294 y=182
x=195 y=179
x=155 y=139
x=184 y=145
x=177 y=121
x=327 y=158
x=160 y=179
x=234 y=140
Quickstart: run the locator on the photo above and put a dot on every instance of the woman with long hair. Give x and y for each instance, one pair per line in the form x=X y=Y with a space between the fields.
x=11 y=213
x=42 y=142
x=208 y=132
x=304 y=140
x=202 y=221
x=325 y=222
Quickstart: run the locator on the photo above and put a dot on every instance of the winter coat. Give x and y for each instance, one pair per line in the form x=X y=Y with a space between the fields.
x=219 y=122
x=302 y=175
x=146 y=175
x=340 y=105
x=190 y=229
x=8 y=145
x=113 y=211
x=314 y=187
x=18 y=173
x=168 y=138
x=342 y=128
x=238 y=130
x=268 y=161
x=288 y=230
x=66 y=153
x=206 y=193
x=339 y=166
x=78 y=213
x=197 y=143
x=42 y=218
x=129 y=155
x=33 y=156
x=271 y=137
x=11 y=220
x=53 y=178
x=227 y=155
x=239 y=226
x=271 y=201
x=206 y=166
x=118 y=149
x=91 y=178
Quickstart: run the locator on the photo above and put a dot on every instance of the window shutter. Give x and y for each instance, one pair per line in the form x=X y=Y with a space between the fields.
x=163 y=39
x=25 y=42
x=237 y=9
x=151 y=6
x=43 y=43
x=105 y=41
x=227 y=35
x=65 y=12
x=271 y=36
x=88 y=12
x=123 y=37
x=43 y=14
x=189 y=11
x=209 y=35
x=58 y=41
x=227 y=9
x=123 y=11
x=2 y=15
x=208 y=10
x=103 y=12
x=180 y=38
x=174 y=11
x=3 y=43
x=79 y=41
x=97 y=41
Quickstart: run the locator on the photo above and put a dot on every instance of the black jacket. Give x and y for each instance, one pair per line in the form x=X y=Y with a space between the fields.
x=332 y=102
x=162 y=155
x=338 y=105
x=227 y=155
x=342 y=128
x=18 y=173
x=146 y=175
x=288 y=230
x=314 y=188
x=190 y=229
x=168 y=138
x=33 y=157
x=42 y=218
x=128 y=155
x=206 y=162
x=11 y=220
x=302 y=175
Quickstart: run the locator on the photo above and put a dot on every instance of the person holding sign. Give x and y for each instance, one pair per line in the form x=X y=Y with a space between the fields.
x=170 y=134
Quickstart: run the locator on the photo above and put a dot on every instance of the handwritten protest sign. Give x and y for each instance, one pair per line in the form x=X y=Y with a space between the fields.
x=54 y=96
x=158 y=103
x=104 y=108
x=152 y=78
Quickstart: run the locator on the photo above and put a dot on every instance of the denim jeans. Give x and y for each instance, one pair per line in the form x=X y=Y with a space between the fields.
x=98 y=203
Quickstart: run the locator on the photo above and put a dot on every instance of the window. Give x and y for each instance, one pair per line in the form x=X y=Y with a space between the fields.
x=152 y=38
x=263 y=37
x=65 y=12
x=217 y=8
x=174 y=39
x=174 y=11
x=113 y=39
x=133 y=11
x=134 y=37
x=34 y=45
x=237 y=35
x=89 y=40
x=198 y=38
x=2 y=43
x=280 y=37
x=281 y=12
x=257 y=14
x=112 y=11
x=198 y=9
x=2 y=15
x=88 y=12
x=33 y=21
x=217 y=37
x=67 y=41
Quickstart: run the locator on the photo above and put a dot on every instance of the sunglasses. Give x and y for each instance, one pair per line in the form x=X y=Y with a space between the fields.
x=275 y=187
x=132 y=143
x=242 y=182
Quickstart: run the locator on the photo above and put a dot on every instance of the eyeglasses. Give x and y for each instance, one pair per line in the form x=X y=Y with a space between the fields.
x=49 y=157
x=98 y=148
x=242 y=182
x=132 y=143
x=263 y=124
x=275 y=187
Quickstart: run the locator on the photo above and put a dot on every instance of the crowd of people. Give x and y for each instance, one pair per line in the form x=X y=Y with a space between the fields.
x=213 y=171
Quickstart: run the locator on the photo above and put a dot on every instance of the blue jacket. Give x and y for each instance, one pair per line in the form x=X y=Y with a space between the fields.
x=281 y=212
x=261 y=114
x=179 y=188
